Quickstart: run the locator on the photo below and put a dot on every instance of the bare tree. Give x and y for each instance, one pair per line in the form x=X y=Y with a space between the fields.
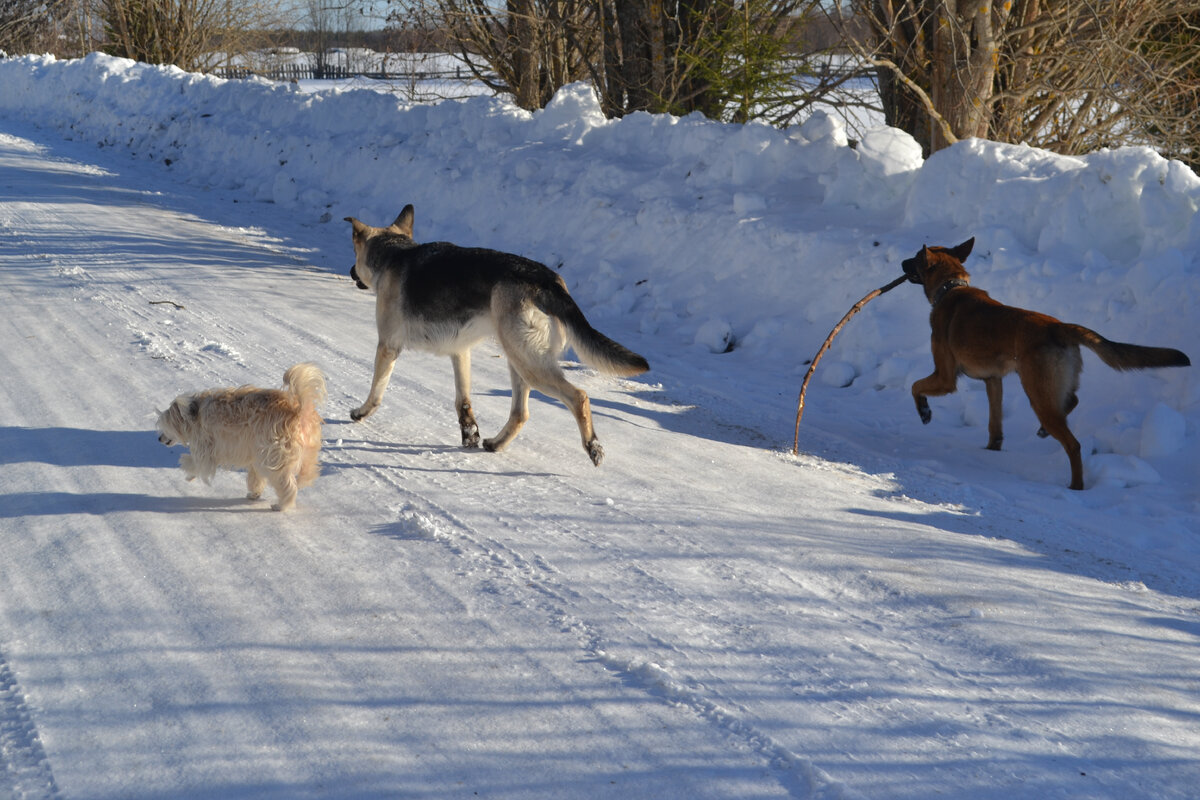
x=28 y=26
x=191 y=34
x=725 y=58
x=1172 y=120
x=330 y=22
x=1065 y=75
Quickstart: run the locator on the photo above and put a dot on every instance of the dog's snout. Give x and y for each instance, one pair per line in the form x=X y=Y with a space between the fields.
x=913 y=270
x=164 y=439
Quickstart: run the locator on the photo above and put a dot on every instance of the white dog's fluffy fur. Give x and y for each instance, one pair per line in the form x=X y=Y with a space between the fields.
x=275 y=434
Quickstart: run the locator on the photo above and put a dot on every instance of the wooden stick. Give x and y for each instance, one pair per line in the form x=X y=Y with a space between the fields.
x=828 y=341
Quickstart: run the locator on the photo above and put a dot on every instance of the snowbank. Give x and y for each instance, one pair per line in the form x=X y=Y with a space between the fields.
x=744 y=241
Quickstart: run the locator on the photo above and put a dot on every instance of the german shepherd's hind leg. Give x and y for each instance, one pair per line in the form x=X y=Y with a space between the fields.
x=551 y=380
x=385 y=361
x=462 y=398
x=995 y=396
x=532 y=351
x=517 y=417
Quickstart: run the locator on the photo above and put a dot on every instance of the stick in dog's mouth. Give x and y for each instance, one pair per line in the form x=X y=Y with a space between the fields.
x=828 y=341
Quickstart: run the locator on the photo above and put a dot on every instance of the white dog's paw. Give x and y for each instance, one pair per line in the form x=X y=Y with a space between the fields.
x=253 y=495
x=188 y=465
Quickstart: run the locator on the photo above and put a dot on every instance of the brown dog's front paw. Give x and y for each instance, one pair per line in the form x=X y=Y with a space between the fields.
x=923 y=410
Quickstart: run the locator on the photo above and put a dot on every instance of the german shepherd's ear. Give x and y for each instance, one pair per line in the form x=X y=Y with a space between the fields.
x=360 y=227
x=404 y=222
x=963 y=250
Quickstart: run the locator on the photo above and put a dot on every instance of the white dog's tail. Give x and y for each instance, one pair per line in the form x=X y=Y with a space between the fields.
x=306 y=382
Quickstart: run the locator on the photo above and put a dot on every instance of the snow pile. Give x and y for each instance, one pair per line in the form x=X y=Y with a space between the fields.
x=745 y=242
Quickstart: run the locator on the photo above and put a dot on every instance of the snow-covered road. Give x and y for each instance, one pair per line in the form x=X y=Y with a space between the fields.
x=702 y=616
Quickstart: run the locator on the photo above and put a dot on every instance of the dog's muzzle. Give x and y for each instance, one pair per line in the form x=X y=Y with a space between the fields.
x=354 y=277
x=912 y=268
x=167 y=440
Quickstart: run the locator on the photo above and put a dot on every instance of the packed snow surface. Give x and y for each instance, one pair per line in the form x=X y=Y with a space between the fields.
x=894 y=612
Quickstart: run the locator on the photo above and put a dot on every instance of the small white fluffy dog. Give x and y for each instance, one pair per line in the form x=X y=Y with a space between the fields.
x=273 y=433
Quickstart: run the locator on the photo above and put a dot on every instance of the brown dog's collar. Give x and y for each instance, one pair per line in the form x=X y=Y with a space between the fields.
x=953 y=283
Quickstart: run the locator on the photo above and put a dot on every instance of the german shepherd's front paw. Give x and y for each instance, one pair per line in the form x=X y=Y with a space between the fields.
x=470 y=436
x=467 y=425
x=923 y=410
x=595 y=452
x=360 y=413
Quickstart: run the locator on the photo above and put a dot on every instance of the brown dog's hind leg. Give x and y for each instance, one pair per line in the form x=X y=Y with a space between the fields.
x=995 y=396
x=1055 y=425
x=1072 y=401
x=1051 y=408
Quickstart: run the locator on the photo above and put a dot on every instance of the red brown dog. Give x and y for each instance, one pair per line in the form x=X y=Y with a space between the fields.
x=983 y=339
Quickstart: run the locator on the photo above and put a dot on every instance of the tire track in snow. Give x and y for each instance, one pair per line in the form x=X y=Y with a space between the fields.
x=534 y=581
x=24 y=769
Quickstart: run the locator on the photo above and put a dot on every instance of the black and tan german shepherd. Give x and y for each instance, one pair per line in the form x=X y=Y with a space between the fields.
x=442 y=298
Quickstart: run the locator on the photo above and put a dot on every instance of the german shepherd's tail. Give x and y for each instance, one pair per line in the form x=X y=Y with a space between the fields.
x=596 y=349
x=1119 y=355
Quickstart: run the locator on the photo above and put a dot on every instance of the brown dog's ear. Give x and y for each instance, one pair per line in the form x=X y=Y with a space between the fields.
x=404 y=222
x=963 y=250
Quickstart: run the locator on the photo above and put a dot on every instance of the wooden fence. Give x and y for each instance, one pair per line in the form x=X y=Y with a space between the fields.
x=302 y=72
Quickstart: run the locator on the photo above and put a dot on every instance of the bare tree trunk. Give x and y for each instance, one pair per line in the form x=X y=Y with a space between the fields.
x=635 y=74
x=523 y=45
x=1067 y=75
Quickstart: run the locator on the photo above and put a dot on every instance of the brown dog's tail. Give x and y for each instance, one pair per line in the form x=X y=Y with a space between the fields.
x=1119 y=355
x=591 y=345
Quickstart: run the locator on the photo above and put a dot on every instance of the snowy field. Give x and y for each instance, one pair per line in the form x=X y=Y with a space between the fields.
x=893 y=613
